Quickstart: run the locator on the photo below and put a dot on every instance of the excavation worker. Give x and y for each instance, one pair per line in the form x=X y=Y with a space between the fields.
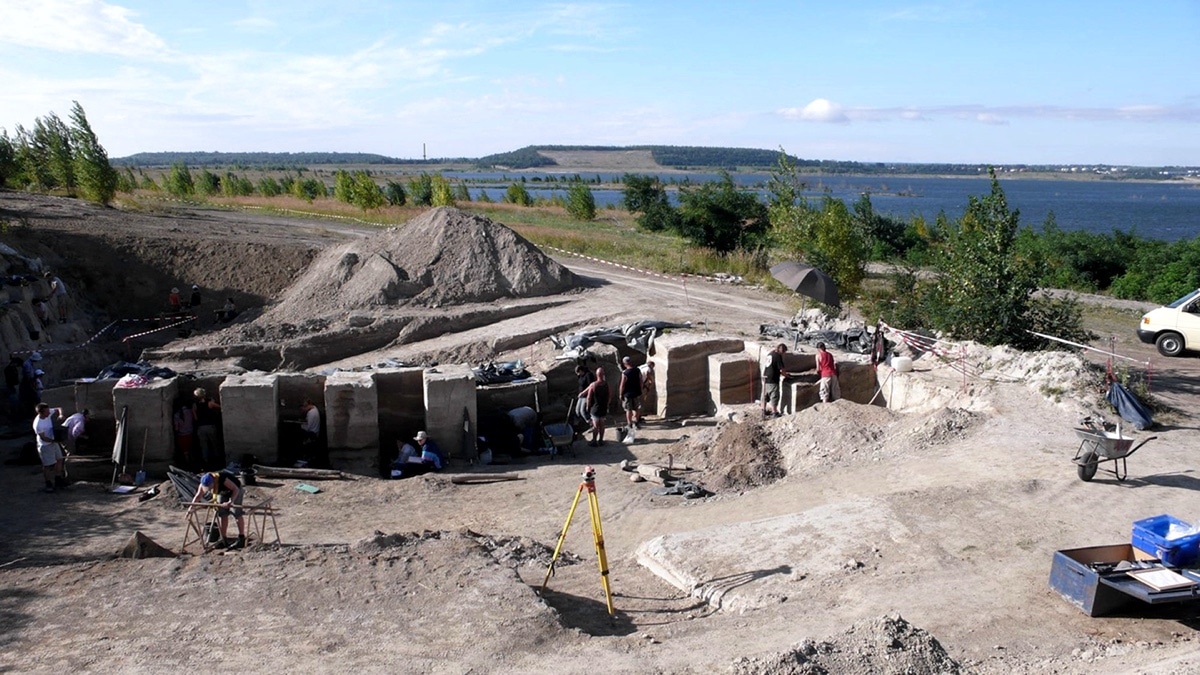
x=424 y=458
x=597 y=395
x=223 y=488
x=827 y=371
x=772 y=374
x=76 y=429
x=49 y=450
x=631 y=392
x=206 y=413
x=174 y=302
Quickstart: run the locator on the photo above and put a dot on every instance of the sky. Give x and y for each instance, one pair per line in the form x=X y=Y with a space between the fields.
x=1001 y=82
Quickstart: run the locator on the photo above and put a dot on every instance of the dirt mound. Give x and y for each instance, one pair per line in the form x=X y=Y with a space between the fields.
x=442 y=257
x=733 y=456
x=888 y=644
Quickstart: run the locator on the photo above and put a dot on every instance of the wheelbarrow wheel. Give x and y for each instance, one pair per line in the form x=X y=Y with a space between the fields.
x=1087 y=466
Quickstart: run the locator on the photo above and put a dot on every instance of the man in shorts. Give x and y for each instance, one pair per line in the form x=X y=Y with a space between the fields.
x=631 y=392
x=597 y=395
x=49 y=450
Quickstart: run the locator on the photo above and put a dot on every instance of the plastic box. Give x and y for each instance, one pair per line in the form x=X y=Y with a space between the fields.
x=1150 y=535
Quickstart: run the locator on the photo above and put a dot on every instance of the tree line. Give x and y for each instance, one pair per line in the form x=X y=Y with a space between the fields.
x=58 y=156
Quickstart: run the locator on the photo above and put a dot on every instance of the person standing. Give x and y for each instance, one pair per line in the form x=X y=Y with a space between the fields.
x=206 y=413
x=630 y=391
x=224 y=489
x=194 y=301
x=174 y=301
x=827 y=371
x=50 y=452
x=772 y=374
x=58 y=290
x=584 y=378
x=649 y=389
x=597 y=395
x=310 y=430
x=184 y=421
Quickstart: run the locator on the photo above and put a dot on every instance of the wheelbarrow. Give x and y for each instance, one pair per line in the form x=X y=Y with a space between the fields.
x=559 y=437
x=1098 y=445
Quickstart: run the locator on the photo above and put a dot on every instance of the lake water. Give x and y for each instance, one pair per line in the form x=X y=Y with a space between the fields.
x=1167 y=211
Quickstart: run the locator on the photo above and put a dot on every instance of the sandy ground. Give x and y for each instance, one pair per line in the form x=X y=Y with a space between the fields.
x=947 y=516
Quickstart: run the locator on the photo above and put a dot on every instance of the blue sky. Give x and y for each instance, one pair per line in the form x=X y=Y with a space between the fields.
x=1013 y=81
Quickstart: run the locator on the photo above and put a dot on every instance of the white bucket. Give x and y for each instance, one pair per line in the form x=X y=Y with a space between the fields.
x=902 y=364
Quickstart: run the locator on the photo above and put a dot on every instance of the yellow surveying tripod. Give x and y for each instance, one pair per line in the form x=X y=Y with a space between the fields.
x=588 y=484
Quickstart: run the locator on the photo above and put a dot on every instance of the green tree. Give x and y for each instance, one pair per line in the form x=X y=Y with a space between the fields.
x=420 y=190
x=721 y=216
x=8 y=160
x=394 y=192
x=96 y=176
x=208 y=183
x=53 y=138
x=178 y=182
x=34 y=169
x=308 y=189
x=343 y=186
x=443 y=194
x=517 y=194
x=233 y=185
x=366 y=193
x=646 y=196
x=984 y=287
x=268 y=186
x=827 y=236
x=146 y=182
x=461 y=193
x=581 y=203
x=126 y=181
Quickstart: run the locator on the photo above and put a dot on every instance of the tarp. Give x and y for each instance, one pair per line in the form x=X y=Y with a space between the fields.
x=1129 y=407
x=119 y=453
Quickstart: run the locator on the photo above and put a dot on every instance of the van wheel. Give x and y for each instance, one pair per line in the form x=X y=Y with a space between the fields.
x=1169 y=344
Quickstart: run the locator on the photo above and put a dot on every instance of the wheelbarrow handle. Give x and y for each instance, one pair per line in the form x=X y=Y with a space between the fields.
x=1135 y=448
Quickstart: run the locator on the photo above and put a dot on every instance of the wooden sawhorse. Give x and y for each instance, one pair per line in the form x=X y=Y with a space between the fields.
x=258 y=516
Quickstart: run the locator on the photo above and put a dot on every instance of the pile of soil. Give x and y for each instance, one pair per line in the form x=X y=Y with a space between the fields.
x=443 y=257
x=733 y=456
x=888 y=644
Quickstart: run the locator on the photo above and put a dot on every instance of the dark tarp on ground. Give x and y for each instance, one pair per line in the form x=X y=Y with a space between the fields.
x=1129 y=407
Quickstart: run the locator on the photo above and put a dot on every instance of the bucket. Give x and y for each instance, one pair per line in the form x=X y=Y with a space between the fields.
x=902 y=364
x=249 y=477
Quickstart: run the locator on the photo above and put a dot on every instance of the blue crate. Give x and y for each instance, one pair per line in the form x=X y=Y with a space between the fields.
x=1150 y=535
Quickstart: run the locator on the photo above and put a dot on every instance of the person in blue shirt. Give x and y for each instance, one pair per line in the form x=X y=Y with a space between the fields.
x=424 y=458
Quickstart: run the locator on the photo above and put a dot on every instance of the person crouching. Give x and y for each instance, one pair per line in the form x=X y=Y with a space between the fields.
x=224 y=489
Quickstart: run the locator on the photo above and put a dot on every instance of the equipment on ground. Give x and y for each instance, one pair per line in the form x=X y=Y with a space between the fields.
x=588 y=485
x=1098 y=444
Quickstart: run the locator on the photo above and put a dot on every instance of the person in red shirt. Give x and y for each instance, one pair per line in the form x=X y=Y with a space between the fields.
x=827 y=371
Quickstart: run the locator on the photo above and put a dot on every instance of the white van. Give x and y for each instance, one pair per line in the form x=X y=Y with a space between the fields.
x=1173 y=328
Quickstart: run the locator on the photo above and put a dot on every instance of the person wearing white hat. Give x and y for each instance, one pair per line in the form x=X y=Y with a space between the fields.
x=410 y=464
x=174 y=301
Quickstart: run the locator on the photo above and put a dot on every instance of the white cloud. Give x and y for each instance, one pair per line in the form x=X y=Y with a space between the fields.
x=819 y=110
x=87 y=26
x=824 y=110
